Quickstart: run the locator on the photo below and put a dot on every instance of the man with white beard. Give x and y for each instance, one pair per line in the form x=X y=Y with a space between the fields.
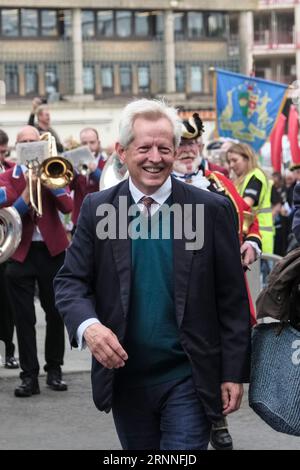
x=191 y=167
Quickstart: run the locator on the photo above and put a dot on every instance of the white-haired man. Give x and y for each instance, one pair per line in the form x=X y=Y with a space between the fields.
x=168 y=356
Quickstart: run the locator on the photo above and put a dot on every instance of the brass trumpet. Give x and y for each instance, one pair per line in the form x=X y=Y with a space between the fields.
x=42 y=161
x=81 y=157
x=56 y=171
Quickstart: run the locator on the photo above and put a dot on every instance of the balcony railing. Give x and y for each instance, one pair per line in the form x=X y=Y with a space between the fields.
x=274 y=40
x=264 y=3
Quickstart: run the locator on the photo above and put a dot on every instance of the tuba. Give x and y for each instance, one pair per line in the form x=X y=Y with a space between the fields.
x=10 y=232
x=114 y=172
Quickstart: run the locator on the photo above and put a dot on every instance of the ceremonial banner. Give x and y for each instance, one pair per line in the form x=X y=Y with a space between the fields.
x=247 y=107
x=276 y=143
x=293 y=130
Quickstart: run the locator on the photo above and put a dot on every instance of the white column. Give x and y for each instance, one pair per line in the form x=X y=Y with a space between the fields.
x=246 y=41
x=77 y=52
x=297 y=39
x=169 y=50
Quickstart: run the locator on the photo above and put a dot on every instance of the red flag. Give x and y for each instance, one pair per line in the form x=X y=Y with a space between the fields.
x=293 y=129
x=276 y=143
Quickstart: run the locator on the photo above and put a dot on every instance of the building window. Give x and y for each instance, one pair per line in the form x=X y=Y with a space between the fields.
x=179 y=25
x=196 y=85
x=125 y=79
x=141 y=23
x=88 y=23
x=285 y=28
x=123 y=24
x=216 y=25
x=195 y=25
x=65 y=23
x=29 y=23
x=88 y=79
x=107 y=79
x=159 y=25
x=10 y=22
x=31 y=79
x=11 y=79
x=105 y=23
x=180 y=78
x=51 y=79
x=144 y=79
x=48 y=23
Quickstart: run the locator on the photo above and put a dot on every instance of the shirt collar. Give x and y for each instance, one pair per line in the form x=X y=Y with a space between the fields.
x=160 y=196
x=187 y=176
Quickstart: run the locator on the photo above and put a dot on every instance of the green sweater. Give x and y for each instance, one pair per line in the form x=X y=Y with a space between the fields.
x=152 y=340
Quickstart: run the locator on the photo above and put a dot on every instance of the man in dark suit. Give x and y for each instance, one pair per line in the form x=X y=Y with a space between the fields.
x=296 y=219
x=160 y=314
x=37 y=259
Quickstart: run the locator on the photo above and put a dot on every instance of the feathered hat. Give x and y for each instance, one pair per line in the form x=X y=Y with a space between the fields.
x=192 y=128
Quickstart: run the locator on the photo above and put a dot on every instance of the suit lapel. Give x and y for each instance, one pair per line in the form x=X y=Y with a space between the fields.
x=182 y=258
x=122 y=252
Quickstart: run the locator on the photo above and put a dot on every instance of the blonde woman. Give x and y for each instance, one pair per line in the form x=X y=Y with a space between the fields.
x=255 y=188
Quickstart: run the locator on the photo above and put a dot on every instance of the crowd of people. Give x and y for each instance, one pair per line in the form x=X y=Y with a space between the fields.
x=169 y=328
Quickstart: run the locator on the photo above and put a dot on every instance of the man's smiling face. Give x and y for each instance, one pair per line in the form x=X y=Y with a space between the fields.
x=150 y=155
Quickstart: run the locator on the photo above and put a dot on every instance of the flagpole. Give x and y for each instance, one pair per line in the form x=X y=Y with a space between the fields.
x=212 y=71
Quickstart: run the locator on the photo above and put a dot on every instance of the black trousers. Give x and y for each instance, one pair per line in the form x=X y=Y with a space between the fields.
x=39 y=267
x=6 y=314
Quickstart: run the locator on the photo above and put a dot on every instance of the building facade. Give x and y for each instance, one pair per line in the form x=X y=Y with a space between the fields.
x=276 y=40
x=91 y=57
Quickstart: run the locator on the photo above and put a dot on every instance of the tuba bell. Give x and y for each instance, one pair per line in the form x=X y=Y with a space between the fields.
x=10 y=232
x=114 y=172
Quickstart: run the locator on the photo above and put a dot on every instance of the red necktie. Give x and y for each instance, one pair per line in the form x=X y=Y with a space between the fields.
x=147 y=201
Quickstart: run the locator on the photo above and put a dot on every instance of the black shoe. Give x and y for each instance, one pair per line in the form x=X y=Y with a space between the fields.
x=28 y=387
x=220 y=438
x=11 y=363
x=55 y=382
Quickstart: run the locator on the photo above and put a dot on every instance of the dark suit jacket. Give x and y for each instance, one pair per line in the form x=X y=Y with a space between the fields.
x=296 y=219
x=212 y=309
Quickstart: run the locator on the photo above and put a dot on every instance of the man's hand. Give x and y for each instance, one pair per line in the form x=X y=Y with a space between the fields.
x=36 y=102
x=25 y=194
x=104 y=346
x=92 y=166
x=232 y=394
x=248 y=254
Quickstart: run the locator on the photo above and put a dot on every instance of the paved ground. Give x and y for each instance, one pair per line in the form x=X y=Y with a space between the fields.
x=69 y=420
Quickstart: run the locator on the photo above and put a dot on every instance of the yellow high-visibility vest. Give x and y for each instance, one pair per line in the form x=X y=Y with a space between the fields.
x=263 y=210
